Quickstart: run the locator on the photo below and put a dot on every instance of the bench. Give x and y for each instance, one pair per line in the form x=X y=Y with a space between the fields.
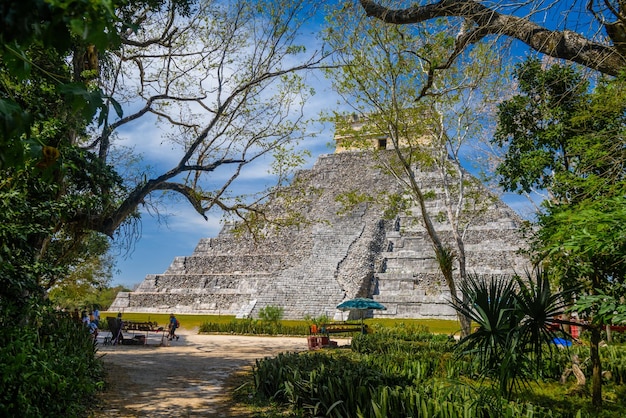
x=141 y=326
x=117 y=326
x=339 y=328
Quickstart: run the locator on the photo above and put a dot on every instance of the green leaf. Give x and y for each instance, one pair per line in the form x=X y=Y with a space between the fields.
x=117 y=106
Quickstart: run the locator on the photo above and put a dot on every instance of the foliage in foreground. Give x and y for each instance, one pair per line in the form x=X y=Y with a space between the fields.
x=514 y=321
x=387 y=374
x=48 y=367
x=560 y=137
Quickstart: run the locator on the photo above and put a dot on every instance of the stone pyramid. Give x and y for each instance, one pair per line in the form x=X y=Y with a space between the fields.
x=310 y=267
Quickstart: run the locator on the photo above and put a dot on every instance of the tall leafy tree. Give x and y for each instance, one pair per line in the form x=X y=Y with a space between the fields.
x=560 y=136
x=223 y=86
x=221 y=74
x=36 y=39
x=49 y=54
x=219 y=80
x=388 y=76
x=88 y=271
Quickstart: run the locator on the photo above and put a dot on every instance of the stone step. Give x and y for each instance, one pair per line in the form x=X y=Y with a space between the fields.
x=227 y=264
x=417 y=310
x=204 y=282
x=246 y=310
x=217 y=304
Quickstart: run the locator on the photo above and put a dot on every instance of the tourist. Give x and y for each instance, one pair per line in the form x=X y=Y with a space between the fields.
x=84 y=318
x=172 y=327
x=117 y=336
x=93 y=330
x=96 y=315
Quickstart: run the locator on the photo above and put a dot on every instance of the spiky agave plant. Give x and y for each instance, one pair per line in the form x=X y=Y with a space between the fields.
x=514 y=319
x=490 y=304
x=540 y=309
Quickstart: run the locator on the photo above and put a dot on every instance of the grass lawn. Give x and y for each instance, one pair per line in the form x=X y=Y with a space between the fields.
x=190 y=321
x=187 y=321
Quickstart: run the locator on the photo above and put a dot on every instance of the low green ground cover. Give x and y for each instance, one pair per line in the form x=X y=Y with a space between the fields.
x=406 y=371
x=403 y=368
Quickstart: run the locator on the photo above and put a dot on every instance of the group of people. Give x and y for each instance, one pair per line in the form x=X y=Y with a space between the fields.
x=91 y=321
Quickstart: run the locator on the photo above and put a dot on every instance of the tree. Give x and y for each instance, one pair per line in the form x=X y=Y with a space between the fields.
x=223 y=87
x=535 y=129
x=475 y=21
x=89 y=271
x=558 y=135
x=221 y=83
x=48 y=96
x=72 y=75
x=36 y=38
x=387 y=76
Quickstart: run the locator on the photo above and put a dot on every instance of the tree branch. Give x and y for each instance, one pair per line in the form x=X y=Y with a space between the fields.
x=136 y=197
x=191 y=195
x=565 y=44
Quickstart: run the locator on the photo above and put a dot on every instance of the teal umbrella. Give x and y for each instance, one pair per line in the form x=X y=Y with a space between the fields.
x=360 y=304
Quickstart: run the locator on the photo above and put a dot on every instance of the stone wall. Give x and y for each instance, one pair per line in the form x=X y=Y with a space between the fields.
x=337 y=252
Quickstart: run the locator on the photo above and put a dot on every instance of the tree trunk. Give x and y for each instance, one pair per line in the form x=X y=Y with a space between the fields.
x=581 y=380
x=596 y=377
x=443 y=254
x=466 y=323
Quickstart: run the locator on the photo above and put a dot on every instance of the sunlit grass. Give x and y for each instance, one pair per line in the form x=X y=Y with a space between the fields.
x=436 y=326
x=191 y=321
x=187 y=321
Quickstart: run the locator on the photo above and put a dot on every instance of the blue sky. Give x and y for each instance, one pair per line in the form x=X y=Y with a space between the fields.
x=178 y=228
x=178 y=233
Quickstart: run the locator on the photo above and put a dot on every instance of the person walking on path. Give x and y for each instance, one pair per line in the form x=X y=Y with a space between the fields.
x=116 y=325
x=96 y=315
x=172 y=327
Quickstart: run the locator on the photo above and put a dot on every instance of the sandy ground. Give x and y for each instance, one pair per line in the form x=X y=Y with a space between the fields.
x=182 y=378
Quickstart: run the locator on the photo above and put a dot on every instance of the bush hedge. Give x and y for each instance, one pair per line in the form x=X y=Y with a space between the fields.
x=48 y=367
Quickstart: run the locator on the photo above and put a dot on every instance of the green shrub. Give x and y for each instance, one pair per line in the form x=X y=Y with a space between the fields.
x=342 y=385
x=330 y=385
x=406 y=371
x=271 y=314
x=251 y=326
x=401 y=339
x=614 y=362
x=48 y=367
x=319 y=321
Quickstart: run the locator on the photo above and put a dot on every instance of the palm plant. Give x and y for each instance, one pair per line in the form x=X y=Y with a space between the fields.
x=514 y=319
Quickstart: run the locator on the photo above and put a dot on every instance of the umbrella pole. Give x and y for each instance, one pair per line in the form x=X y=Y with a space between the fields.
x=362 y=322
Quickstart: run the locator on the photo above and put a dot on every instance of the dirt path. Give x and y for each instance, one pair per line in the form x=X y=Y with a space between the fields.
x=185 y=378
